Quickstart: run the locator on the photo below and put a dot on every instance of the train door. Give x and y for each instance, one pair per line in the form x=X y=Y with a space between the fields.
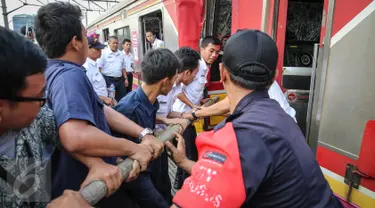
x=218 y=24
x=298 y=31
x=152 y=22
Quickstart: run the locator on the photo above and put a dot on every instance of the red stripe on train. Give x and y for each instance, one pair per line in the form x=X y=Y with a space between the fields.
x=336 y=163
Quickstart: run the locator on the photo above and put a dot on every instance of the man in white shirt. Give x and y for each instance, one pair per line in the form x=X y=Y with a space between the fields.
x=92 y=71
x=191 y=97
x=193 y=93
x=189 y=60
x=129 y=61
x=113 y=67
x=155 y=42
x=277 y=94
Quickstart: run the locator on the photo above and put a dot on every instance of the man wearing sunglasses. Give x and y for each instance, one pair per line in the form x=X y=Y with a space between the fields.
x=28 y=134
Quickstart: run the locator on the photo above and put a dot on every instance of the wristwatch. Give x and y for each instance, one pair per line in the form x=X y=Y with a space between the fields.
x=194 y=116
x=145 y=132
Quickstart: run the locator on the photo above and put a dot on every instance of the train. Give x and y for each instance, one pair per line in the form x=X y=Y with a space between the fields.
x=326 y=53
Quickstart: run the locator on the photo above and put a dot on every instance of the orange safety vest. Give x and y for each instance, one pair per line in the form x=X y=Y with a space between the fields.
x=216 y=179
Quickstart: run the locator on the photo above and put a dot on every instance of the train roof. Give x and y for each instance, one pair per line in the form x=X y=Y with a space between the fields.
x=116 y=8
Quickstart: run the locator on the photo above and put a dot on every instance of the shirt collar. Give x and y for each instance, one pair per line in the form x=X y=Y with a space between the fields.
x=205 y=65
x=145 y=102
x=111 y=52
x=241 y=106
x=62 y=62
x=155 y=41
x=90 y=61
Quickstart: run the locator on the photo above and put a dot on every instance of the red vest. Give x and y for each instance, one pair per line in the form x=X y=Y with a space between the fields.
x=216 y=179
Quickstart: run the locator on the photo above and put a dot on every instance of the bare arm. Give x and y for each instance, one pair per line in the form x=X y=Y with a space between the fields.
x=78 y=136
x=174 y=115
x=171 y=115
x=187 y=165
x=87 y=160
x=121 y=124
x=100 y=69
x=179 y=154
x=216 y=109
x=185 y=100
x=160 y=119
x=105 y=99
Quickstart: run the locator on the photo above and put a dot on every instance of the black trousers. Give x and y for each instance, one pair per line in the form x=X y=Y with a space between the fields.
x=190 y=135
x=153 y=187
x=130 y=81
x=119 y=199
x=119 y=83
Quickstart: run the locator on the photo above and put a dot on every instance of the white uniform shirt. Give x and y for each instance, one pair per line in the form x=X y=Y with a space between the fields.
x=129 y=60
x=166 y=103
x=193 y=91
x=96 y=78
x=157 y=44
x=277 y=94
x=112 y=63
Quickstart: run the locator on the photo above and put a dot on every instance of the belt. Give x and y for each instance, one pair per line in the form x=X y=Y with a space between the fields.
x=115 y=78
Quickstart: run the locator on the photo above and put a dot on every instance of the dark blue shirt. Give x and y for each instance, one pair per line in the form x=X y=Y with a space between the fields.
x=71 y=96
x=278 y=167
x=137 y=107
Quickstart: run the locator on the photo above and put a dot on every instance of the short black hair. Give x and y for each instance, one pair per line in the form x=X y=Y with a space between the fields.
x=18 y=60
x=23 y=30
x=209 y=39
x=151 y=31
x=113 y=37
x=55 y=25
x=126 y=41
x=159 y=64
x=188 y=57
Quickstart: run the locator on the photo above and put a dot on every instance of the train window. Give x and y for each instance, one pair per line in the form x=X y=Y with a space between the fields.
x=152 y=22
x=222 y=26
x=122 y=33
x=303 y=28
x=106 y=34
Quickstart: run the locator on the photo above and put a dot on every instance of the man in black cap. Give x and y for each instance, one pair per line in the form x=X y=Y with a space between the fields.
x=257 y=157
x=92 y=71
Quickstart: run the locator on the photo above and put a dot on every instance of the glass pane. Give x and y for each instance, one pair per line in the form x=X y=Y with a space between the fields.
x=127 y=33
x=224 y=22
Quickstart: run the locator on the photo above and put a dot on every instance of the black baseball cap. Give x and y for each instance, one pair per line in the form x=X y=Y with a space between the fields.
x=252 y=55
x=94 y=43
